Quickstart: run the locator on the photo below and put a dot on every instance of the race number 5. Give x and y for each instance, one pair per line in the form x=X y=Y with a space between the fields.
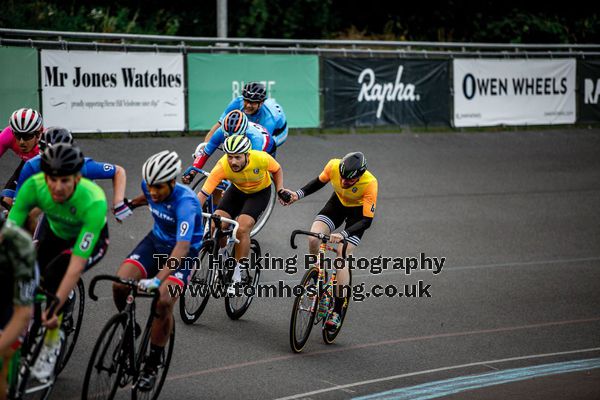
x=86 y=241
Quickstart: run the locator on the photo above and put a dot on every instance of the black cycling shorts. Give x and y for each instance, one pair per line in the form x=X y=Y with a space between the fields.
x=235 y=202
x=335 y=213
x=54 y=253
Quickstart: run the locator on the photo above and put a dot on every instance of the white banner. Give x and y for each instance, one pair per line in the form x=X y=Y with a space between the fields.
x=88 y=91
x=514 y=92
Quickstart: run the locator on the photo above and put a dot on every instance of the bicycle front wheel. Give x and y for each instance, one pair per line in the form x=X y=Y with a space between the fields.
x=194 y=299
x=105 y=367
x=304 y=311
x=262 y=220
x=237 y=306
x=71 y=324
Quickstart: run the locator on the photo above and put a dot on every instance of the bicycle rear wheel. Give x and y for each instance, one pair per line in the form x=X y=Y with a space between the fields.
x=163 y=367
x=71 y=324
x=237 y=306
x=106 y=366
x=195 y=297
x=304 y=311
x=262 y=220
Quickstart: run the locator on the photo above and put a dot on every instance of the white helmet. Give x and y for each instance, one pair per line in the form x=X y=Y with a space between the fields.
x=25 y=120
x=161 y=167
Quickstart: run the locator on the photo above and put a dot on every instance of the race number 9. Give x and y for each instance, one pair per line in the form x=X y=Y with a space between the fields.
x=183 y=228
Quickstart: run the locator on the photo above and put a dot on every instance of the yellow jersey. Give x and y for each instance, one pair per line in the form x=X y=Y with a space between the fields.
x=362 y=193
x=253 y=178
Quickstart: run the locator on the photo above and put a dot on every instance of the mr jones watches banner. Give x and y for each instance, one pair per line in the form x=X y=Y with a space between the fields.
x=89 y=91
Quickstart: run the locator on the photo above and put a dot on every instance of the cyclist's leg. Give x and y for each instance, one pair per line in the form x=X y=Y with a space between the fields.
x=327 y=220
x=253 y=206
x=230 y=205
x=136 y=266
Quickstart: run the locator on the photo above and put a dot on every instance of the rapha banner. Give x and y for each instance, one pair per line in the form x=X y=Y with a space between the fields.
x=514 y=92
x=589 y=90
x=90 y=91
x=386 y=91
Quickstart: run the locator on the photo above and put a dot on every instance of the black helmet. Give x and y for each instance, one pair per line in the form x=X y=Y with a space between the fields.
x=55 y=135
x=254 y=91
x=353 y=165
x=62 y=159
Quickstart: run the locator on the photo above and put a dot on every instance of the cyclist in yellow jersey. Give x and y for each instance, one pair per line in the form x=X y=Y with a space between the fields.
x=248 y=196
x=353 y=201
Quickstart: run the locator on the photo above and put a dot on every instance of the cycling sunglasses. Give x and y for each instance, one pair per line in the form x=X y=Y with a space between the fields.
x=24 y=136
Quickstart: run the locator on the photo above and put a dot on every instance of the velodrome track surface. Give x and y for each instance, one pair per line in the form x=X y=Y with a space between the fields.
x=516 y=215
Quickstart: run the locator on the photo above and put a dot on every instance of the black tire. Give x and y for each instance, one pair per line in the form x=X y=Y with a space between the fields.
x=163 y=368
x=108 y=353
x=196 y=295
x=304 y=312
x=237 y=306
x=30 y=353
x=329 y=336
x=262 y=219
x=71 y=325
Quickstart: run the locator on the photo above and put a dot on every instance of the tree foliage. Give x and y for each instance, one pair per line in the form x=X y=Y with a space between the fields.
x=467 y=20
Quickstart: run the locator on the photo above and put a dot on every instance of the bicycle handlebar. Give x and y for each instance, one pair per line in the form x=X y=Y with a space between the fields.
x=127 y=282
x=218 y=219
x=321 y=236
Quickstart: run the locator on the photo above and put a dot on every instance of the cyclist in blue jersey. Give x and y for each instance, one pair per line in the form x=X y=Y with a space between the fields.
x=177 y=234
x=260 y=110
x=91 y=169
x=235 y=123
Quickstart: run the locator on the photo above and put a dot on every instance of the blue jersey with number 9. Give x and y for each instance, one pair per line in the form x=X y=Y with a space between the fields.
x=178 y=218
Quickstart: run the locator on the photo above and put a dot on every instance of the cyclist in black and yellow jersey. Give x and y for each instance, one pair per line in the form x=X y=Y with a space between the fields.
x=353 y=201
x=248 y=196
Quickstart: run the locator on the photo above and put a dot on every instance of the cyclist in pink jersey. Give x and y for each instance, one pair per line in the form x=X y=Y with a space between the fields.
x=21 y=136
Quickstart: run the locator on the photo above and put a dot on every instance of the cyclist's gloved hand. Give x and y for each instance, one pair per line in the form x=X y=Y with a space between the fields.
x=286 y=197
x=122 y=210
x=149 y=284
x=187 y=178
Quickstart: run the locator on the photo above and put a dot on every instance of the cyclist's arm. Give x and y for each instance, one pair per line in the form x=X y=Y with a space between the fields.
x=280 y=133
x=6 y=138
x=26 y=172
x=17 y=324
x=275 y=168
x=24 y=202
x=214 y=142
x=100 y=170
x=69 y=281
x=212 y=130
x=214 y=178
x=369 y=204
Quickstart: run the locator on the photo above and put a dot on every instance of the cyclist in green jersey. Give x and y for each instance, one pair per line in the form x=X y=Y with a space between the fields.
x=73 y=236
x=17 y=282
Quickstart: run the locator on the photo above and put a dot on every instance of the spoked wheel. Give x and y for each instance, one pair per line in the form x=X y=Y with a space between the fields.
x=195 y=297
x=262 y=220
x=107 y=363
x=238 y=305
x=71 y=323
x=330 y=335
x=304 y=311
x=163 y=366
x=27 y=386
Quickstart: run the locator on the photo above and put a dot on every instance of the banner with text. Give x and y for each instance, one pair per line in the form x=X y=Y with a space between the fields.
x=514 y=92
x=589 y=90
x=88 y=91
x=216 y=79
x=385 y=91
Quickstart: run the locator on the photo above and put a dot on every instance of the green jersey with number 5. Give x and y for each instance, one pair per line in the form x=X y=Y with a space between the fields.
x=81 y=217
